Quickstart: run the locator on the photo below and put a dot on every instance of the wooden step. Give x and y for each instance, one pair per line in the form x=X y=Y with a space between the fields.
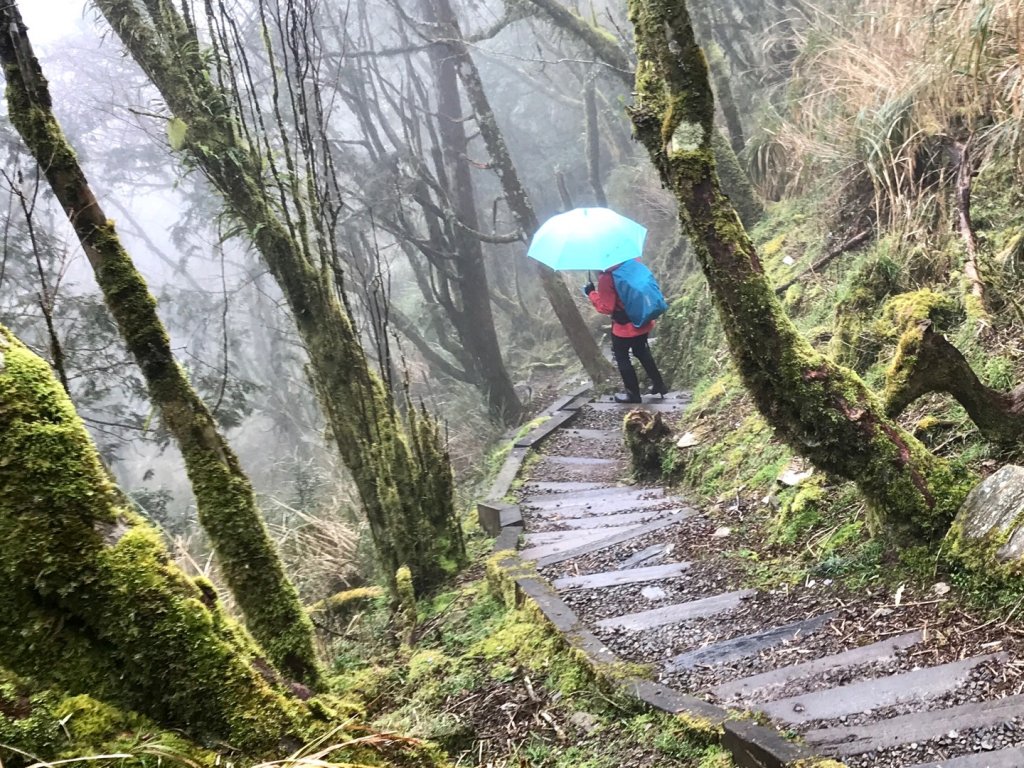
x=578 y=461
x=867 y=695
x=765 y=683
x=595 y=507
x=611 y=541
x=678 y=612
x=747 y=645
x=647 y=555
x=591 y=522
x=538 y=545
x=570 y=487
x=600 y=435
x=1004 y=758
x=606 y=494
x=920 y=726
x=620 y=578
x=667 y=406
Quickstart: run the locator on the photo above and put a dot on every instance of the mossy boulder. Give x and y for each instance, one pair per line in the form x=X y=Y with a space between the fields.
x=988 y=533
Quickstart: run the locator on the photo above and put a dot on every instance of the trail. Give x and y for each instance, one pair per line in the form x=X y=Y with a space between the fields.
x=634 y=573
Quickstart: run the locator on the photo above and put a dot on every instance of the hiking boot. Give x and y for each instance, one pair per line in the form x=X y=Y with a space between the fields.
x=660 y=391
x=628 y=397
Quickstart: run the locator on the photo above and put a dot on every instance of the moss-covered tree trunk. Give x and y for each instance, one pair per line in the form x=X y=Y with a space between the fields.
x=90 y=601
x=224 y=496
x=820 y=409
x=403 y=476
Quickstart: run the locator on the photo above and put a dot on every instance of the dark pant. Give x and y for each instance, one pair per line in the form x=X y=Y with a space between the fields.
x=621 y=348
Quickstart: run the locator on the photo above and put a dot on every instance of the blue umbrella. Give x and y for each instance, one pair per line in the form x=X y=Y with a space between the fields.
x=587 y=238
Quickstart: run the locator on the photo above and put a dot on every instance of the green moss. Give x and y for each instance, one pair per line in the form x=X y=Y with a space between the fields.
x=801 y=513
x=90 y=597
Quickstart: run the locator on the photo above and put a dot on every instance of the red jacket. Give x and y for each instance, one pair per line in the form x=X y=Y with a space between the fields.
x=606 y=300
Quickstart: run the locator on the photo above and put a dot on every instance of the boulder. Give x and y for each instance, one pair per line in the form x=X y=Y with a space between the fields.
x=993 y=515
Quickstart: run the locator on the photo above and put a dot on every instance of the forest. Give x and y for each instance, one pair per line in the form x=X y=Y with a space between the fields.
x=313 y=455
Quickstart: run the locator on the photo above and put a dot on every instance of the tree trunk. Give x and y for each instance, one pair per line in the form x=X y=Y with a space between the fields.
x=593 y=147
x=965 y=170
x=403 y=475
x=224 y=496
x=477 y=321
x=820 y=409
x=90 y=601
x=597 y=367
x=735 y=180
x=723 y=85
x=926 y=362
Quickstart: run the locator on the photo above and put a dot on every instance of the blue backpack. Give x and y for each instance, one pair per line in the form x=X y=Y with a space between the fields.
x=641 y=297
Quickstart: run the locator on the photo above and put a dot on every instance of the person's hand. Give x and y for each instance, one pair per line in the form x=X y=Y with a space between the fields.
x=589 y=289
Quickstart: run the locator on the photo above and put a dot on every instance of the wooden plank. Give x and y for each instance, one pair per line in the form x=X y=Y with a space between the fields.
x=866 y=695
x=614 y=506
x=611 y=541
x=578 y=461
x=553 y=548
x=775 y=679
x=534 y=436
x=653 y=552
x=507 y=474
x=619 y=578
x=920 y=726
x=1004 y=758
x=665 y=407
x=587 y=498
x=747 y=645
x=568 y=487
x=679 y=612
x=600 y=435
x=590 y=522
x=573 y=537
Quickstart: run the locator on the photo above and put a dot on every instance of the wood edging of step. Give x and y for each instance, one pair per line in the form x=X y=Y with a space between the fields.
x=537 y=434
x=507 y=474
x=757 y=746
x=611 y=541
x=751 y=745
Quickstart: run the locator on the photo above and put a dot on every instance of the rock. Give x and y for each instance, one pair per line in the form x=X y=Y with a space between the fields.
x=689 y=440
x=794 y=474
x=994 y=511
x=940 y=588
x=654 y=593
x=585 y=721
x=722 y=532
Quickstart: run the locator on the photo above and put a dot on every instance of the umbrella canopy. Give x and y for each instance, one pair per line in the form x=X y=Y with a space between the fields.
x=587 y=238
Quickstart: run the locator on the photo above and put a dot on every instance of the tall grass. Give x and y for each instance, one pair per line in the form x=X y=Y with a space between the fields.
x=881 y=87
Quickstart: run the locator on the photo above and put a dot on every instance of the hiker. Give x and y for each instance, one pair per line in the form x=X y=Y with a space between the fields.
x=627 y=337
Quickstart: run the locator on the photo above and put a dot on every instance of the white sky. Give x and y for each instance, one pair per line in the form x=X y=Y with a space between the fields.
x=49 y=20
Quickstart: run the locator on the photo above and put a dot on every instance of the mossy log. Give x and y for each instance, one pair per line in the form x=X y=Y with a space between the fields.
x=224 y=496
x=90 y=601
x=926 y=361
x=823 y=411
x=402 y=471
